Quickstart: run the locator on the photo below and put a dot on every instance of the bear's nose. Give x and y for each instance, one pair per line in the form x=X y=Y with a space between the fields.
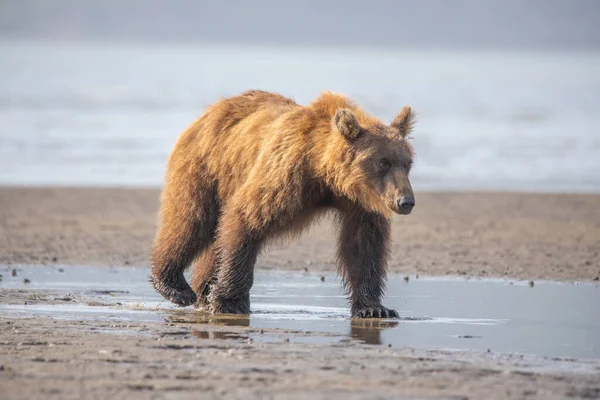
x=406 y=204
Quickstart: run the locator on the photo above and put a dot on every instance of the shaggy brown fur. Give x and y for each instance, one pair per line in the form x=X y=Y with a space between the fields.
x=259 y=166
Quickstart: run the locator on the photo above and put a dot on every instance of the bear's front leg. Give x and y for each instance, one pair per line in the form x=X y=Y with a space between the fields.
x=362 y=257
x=238 y=249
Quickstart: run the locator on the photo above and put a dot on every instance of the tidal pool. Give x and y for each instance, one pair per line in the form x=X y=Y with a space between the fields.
x=548 y=319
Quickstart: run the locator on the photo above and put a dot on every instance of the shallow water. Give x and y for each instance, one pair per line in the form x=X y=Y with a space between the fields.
x=109 y=113
x=548 y=319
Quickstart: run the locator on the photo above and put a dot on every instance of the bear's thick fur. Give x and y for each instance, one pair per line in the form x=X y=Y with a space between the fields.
x=259 y=166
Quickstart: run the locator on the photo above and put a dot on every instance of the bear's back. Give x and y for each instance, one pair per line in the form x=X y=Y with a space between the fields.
x=251 y=108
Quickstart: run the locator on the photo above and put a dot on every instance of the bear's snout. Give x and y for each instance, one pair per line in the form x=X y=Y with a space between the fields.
x=406 y=204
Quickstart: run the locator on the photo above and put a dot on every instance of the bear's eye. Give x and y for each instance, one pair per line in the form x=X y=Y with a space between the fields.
x=384 y=164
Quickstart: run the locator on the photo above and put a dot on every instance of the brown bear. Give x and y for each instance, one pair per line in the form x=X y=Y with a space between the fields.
x=259 y=166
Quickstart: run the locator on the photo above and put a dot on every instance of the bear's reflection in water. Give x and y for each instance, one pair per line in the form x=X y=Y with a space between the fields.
x=208 y=319
x=197 y=318
x=218 y=335
x=367 y=331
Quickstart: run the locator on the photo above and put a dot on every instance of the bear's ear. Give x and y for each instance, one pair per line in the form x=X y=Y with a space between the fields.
x=345 y=121
x=404 y=121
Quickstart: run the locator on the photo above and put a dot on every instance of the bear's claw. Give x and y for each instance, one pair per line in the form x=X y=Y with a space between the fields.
x=183 y=298
x=375 y=312
x=178 y=292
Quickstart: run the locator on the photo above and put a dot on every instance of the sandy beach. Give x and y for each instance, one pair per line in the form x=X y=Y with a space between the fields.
x=520 y=236
x=474 y=235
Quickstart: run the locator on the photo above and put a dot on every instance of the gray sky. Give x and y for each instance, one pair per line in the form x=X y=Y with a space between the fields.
x=526 y=24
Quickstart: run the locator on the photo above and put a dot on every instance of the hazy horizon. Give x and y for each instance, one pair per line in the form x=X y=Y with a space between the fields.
x=507 y=92
x=437 y=24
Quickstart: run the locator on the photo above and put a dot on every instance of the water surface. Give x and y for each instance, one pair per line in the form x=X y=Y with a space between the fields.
x=108 y=114
x=549 y=319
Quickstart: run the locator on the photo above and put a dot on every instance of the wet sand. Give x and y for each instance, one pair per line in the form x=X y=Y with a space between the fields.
x=59 y=359
x=520 y=236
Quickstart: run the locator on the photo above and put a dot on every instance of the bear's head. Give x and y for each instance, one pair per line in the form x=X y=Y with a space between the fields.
x=376 y=160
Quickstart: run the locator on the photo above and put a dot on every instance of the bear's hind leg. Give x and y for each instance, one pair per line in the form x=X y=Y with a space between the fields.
x=203 y=275
x=175 y=248
x=186 y=229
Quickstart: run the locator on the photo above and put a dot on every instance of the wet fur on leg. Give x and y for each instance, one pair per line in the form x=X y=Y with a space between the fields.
x=229 y=306
x=204 y=276
x=363 y=247
x=188 y=219
x=171 y=255
x=237 y=250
